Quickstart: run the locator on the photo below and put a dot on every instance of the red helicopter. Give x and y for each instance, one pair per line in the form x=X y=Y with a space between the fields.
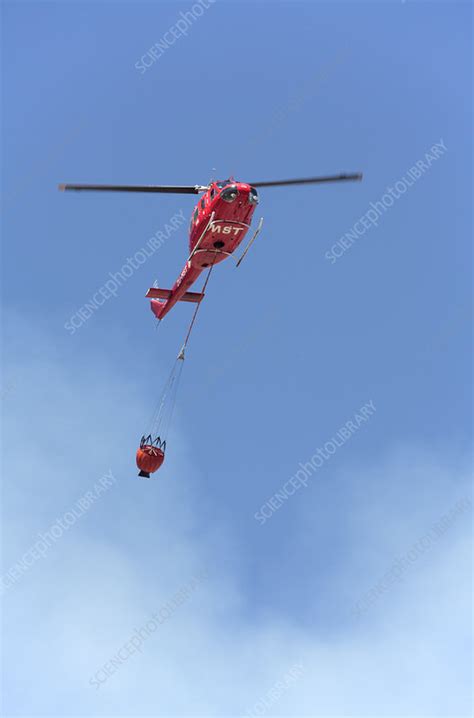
x=219 y=223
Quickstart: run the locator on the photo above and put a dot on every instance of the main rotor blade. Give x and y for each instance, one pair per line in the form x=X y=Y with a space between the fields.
x=310 y=180
x=174 y=189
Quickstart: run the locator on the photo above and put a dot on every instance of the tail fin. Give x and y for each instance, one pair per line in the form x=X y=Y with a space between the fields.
x=157 y=293
x=157 y=307
x=160 y=298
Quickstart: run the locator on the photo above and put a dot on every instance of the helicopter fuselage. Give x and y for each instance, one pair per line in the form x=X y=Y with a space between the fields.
x=219 y=223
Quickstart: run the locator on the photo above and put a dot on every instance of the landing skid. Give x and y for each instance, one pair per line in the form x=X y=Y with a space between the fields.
x=256 y=233
x=200 y=238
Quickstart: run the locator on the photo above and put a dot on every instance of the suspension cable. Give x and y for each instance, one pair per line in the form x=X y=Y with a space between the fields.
x=164 y=409
x=181 y=353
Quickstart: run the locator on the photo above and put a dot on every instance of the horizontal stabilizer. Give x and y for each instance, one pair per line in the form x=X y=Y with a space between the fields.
x=157 y=293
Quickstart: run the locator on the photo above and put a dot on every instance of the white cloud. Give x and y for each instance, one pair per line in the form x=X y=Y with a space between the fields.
x=409 y=656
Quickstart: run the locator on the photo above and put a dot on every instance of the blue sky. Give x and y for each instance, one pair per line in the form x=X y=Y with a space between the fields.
x=286 y=350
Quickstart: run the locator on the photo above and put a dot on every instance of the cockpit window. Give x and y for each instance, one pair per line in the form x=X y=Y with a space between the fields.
x=193 y=219
x=229 y=194
x=253 y=196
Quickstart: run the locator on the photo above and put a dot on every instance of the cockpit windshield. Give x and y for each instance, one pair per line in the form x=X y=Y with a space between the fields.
x=253 y=196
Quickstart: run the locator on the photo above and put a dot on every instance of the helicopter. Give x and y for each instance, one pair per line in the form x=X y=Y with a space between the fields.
x=219 y=223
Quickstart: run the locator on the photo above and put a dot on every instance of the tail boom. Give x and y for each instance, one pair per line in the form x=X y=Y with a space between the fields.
x=163 y=300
